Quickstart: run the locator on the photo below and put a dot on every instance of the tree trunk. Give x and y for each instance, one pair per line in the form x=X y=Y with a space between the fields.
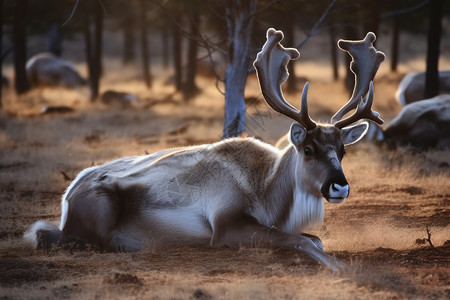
x=333 y=52
x=94 y=47
x=372 y=20
x=1 y=48
x=395 y=43
x=177 y=55
x=54 y=39
x=144 y=43
x=128 y=39
x=165 y=44
x=87 y=44
x=20 y=53
x=239 y=16
x=433 y=44
x=98 y=40
x=96 y=51
x=189 y=87
x=288 y=29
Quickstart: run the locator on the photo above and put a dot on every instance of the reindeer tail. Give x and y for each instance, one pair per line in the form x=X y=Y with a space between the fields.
x=45 y=235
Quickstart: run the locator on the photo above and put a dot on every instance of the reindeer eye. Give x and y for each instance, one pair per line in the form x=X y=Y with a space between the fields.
x=308 y=151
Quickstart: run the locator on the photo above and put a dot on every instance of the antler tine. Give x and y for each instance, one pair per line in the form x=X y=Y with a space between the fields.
x=363 y=111
x=304 y=115
x=271 y=69
x=365 y=63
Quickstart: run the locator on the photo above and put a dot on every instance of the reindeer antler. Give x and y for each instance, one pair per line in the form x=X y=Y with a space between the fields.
x=365 y=63
x=271 y=69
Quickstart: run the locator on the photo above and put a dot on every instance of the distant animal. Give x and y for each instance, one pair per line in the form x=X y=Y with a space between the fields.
x=421 y=125
x=237 y=192
x=412 y=87
x=47 y=70
x=118 y=99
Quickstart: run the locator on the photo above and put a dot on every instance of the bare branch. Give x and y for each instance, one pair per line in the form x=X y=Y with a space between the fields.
x=103 y=7
x=6 y=53
x=429 y=237
x=404 y=11
x=218 y=79
x=312 y=32
x=203 y=41
x=262 y=8
x=75 y=6
x=72 y=13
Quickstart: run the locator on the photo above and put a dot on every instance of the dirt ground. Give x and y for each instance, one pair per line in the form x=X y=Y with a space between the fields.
x=393 y=231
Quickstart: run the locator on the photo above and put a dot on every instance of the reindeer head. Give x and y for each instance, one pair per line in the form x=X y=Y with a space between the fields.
x=320 y=147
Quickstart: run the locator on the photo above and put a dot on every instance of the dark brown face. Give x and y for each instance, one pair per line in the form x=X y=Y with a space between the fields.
x=324 y=148
x=321 y=153
x=321 y=150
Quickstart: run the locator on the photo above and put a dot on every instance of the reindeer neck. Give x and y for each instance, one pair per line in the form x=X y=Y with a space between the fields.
x=290 y=205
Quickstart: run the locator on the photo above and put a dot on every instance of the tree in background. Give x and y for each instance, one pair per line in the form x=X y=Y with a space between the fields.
x=1 y=48
x=194 y=10
x=173 y=20
x=184 y=21
x=413 y=16
x=21 y=83
x=402 y=15
x=128 y=26
x=93 y=13
x=233 y=26
x=144 y=42
x=239 y=16
x=433 y=45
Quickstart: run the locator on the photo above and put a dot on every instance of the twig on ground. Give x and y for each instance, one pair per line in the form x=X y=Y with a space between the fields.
x=429 y=237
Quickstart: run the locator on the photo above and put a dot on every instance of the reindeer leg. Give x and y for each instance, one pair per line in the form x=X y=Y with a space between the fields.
x=315 y=239
x=244 y=230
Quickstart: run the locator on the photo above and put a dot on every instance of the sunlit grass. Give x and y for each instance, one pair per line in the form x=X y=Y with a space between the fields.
x=395 y=195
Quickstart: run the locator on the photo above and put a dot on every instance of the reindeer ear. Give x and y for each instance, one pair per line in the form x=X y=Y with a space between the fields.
x=352 y=134
x=297 y=134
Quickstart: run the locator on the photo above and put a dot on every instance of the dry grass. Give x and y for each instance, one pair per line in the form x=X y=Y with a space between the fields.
x=394 y=197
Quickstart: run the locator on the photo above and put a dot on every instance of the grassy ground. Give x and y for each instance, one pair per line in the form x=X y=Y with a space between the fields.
x=380 y=231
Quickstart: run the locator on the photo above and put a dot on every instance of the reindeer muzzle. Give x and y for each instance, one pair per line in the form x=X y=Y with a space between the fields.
x=335 y=192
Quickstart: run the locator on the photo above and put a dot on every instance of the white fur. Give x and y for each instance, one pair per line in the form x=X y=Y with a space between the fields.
x=307 y=213
x=404 y=83
x=352 y=134
x=415 y=83
x=184 y=211
x=64 y=203
x=30 y=236
x=164 y=226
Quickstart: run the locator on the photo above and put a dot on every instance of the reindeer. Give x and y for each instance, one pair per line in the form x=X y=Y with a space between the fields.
x=119 y=100
x=236 y=192
x=412 y=87
x=47 y=70
x=420 y=125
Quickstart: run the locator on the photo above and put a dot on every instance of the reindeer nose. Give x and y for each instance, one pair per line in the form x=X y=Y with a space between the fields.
x=338 y=188
x=338 y=193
